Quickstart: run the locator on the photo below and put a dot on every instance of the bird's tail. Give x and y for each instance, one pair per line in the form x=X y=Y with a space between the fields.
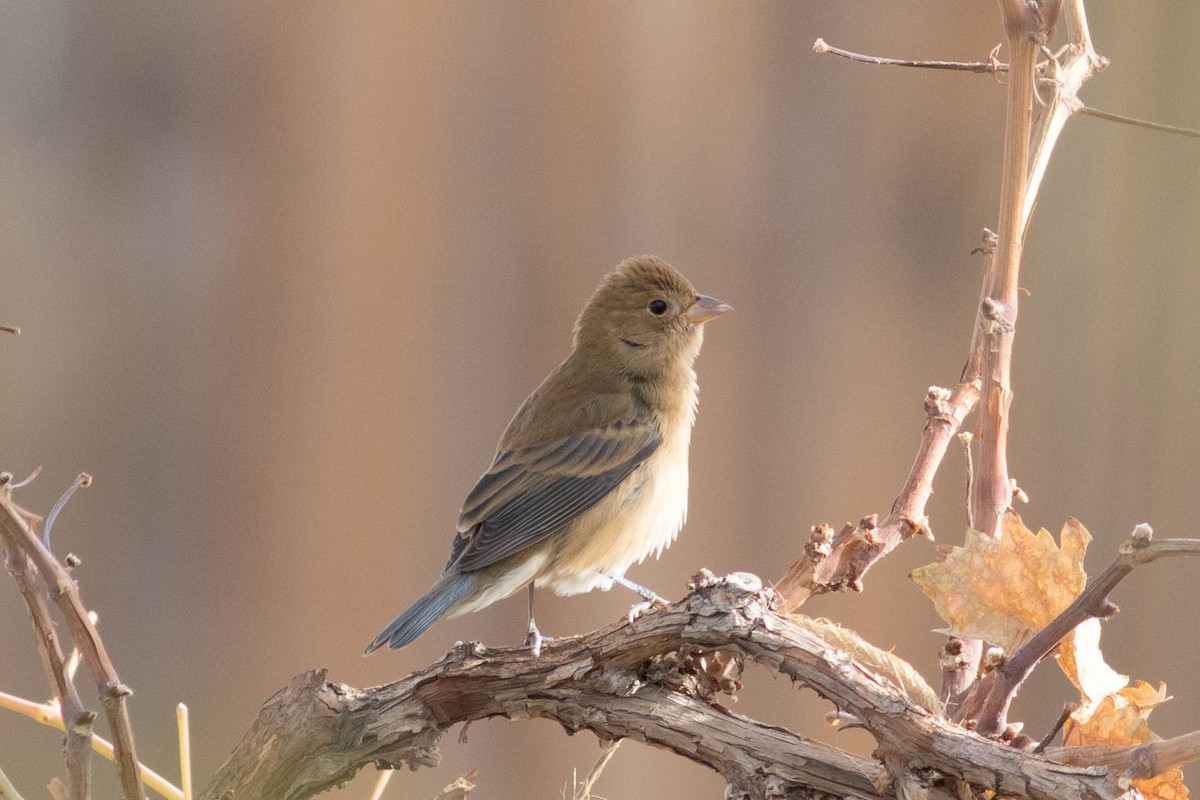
x=444 y=595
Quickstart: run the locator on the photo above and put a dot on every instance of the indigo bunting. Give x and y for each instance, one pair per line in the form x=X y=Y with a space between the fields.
x=591 y=475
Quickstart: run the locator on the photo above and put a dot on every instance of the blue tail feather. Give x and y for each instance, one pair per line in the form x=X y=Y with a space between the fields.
x=423 y=613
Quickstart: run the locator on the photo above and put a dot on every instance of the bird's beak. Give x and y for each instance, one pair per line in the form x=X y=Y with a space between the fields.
x=706 y=308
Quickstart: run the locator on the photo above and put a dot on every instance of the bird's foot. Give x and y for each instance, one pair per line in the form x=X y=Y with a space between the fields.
x=534 y=640
x=638 y=609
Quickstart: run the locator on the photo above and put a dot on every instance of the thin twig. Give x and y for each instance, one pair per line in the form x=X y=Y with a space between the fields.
x=1140 y=123
x=36 y=471
x=77 y=721
x=50 y=715
x=7 y=790
x=63 y=589
x=185 y=750
x=82 y=482
x=1093 y=601
x=820 y=46
x=381 y=783
x=1068 y=710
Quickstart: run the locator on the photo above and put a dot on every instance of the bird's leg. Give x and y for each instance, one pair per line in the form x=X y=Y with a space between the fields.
x=650 y=598
x=647 y=594
x=534 y=638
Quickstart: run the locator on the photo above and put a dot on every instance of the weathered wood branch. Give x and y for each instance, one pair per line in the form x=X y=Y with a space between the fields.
x=633 y=680
x=1136 y=761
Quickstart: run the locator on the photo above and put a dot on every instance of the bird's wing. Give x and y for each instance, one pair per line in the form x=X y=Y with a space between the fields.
x=530 y=492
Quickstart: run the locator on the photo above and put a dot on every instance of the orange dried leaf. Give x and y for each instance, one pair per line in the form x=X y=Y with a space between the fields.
x=1083 y=663
x=1168 y=786
x=1121 y=719
x=1003 y=589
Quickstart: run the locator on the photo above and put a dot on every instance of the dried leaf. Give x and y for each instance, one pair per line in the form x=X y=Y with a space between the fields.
x=1004 y=589
x=1083 y=663
x=1121 y=718
x=1168 y=786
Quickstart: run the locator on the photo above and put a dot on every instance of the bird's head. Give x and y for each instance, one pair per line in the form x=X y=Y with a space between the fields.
x=645 y=319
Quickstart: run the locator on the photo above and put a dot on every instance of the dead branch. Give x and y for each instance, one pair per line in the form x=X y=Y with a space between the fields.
x=1135 y=761
x=626 y=681
x=61 y=587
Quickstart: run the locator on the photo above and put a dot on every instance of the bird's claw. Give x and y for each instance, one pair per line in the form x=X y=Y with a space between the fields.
x=638 y=609
x=534 y=641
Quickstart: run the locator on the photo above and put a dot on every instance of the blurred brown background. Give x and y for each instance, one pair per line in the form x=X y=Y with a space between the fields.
x=285 y=270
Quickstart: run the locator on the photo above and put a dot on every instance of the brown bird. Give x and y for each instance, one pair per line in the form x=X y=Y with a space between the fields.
x=591 y=475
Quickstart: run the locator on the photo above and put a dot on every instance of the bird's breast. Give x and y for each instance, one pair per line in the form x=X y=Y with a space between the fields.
x=639 y=517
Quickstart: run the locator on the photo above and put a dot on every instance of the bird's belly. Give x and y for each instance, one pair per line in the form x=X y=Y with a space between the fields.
x=640 y=517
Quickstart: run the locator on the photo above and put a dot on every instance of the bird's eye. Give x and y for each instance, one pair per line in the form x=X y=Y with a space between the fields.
x=658 y=307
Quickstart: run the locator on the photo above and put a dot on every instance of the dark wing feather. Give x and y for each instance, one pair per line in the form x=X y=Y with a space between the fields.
x=531 y=492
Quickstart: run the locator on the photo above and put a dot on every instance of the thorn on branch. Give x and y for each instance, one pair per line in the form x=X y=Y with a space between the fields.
x=13 y=329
